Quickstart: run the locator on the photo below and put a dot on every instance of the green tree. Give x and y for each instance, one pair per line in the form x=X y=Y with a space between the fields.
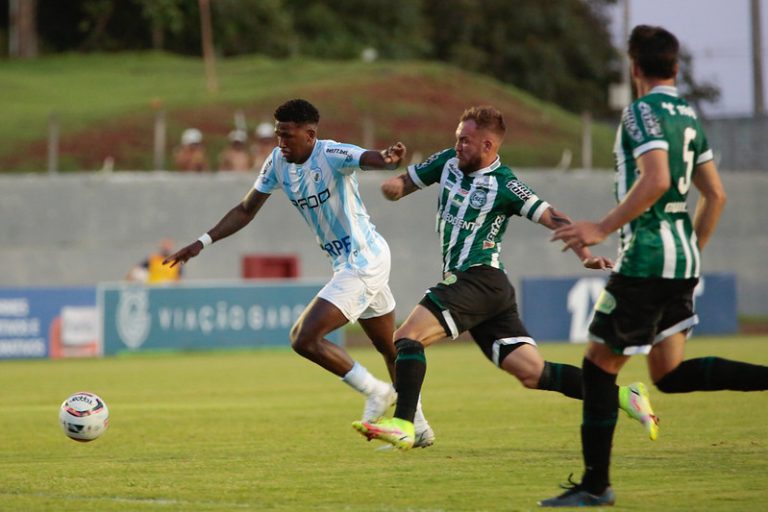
x=559 y=50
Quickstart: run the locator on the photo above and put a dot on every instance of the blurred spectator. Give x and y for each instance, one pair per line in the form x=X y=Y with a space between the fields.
x=152 y=270
x=236 y=156
x=265 y=143
x=191 y=155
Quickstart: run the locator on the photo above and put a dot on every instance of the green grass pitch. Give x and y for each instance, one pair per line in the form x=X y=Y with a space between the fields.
x=267 y=430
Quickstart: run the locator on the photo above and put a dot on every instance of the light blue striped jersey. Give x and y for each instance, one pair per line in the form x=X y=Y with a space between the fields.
x=325 y=192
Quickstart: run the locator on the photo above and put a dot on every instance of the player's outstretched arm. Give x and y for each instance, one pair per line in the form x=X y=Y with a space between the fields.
x=388 y=158
x=654 y=180
x=398 y=187
x=232 y=222
x=554 y=219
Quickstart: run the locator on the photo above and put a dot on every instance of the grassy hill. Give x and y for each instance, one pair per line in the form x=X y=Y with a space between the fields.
x=105 y=107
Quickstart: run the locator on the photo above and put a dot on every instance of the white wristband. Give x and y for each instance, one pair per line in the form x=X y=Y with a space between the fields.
x=206 y=240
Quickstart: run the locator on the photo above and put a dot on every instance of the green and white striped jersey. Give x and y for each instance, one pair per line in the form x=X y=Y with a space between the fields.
x=661 y=242
x=473 y=210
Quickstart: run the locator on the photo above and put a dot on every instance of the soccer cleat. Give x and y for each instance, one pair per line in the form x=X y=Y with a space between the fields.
x=634 y=400
x=376 y=404
x=424 y=437
x=395 y=431
x=576 y=496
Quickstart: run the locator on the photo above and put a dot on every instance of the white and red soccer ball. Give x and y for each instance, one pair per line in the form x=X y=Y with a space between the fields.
x=84 y=416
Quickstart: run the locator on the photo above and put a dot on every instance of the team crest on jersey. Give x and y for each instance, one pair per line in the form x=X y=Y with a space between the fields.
x=478 y=198
x=316 y=175
x=650 y=121
x=488 y=244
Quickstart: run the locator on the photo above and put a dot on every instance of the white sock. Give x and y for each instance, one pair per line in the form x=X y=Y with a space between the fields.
x=418 y=418
x=360 y=378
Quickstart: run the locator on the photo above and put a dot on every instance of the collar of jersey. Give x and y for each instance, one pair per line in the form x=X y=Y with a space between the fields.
x=309 y=158
x=669 y=90
x=485 y=170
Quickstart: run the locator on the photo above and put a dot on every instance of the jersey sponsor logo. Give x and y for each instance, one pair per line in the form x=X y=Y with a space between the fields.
x=518 y=188
x=630 y=124
x=478 y=198
x=490 y=239
x=459 y=196
x=340 y=151
x=650 y=121
x=676 y=207
x=312 y=201
x=459 y=222
x=335 y=247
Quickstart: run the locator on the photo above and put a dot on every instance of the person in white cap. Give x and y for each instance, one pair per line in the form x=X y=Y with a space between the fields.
x=236 y=157
x=191 y=154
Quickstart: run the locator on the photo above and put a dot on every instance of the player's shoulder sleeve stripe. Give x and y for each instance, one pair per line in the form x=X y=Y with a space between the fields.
x=415 y=177
x=705 y=157
x=534 y=208
x=648 y=146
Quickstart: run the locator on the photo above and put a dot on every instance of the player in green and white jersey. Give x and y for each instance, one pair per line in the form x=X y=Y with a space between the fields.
x=647 y=304
x=477 y=195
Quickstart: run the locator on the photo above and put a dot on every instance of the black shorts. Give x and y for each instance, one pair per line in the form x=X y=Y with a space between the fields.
x=480 y=300
x=632 y=313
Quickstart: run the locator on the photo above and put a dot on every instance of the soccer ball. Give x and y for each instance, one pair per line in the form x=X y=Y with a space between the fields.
x=84 y=417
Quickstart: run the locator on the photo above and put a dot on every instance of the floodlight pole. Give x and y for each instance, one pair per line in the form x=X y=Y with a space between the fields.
x=207 y=37
x=757 y=60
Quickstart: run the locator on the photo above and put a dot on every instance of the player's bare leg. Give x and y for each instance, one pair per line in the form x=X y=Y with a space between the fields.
x=308 y=337
x=379 y=330
x=526 y=364
x=308 y=340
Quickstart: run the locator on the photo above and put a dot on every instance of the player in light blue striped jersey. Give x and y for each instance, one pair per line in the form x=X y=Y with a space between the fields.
x=318 y=177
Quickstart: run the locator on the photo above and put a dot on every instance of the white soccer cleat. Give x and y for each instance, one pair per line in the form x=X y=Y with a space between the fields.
x=424 y=436
x=376 y=404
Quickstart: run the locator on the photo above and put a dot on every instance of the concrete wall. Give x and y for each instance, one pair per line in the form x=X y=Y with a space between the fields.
x=739 y=142
x=83 y=229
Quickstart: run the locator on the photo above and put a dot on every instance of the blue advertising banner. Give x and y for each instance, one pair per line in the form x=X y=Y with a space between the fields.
x=203 y=316
x=562 y=308
x=38 y=322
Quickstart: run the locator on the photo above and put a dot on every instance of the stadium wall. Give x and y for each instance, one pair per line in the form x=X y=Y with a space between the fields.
x=82 y=229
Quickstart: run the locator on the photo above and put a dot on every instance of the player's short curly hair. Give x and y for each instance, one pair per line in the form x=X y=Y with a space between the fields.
x=654 y=50
x=486 y=117
x=297 y=111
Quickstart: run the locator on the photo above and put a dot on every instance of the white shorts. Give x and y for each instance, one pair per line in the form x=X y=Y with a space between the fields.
x=362 y=292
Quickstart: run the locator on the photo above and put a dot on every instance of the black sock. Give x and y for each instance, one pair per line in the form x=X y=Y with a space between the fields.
x=410 y=368
x=563 y=378
x=599 y=414
x=714 y=374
